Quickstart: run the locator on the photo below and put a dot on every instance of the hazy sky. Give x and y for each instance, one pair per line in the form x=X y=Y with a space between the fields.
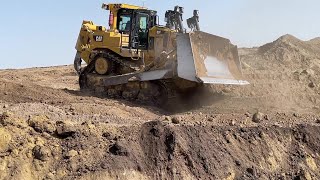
x=43 y=32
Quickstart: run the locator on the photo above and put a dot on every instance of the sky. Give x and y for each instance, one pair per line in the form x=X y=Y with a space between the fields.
x=37 y=33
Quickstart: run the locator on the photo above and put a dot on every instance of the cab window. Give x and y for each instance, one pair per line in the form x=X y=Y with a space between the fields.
x=143 y=23
x=125 y=23
x=142 y=26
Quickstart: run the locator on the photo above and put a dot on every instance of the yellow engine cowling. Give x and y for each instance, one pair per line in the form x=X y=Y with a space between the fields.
x=92 y=37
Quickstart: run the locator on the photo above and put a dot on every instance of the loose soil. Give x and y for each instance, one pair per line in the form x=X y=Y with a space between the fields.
x=51 y=130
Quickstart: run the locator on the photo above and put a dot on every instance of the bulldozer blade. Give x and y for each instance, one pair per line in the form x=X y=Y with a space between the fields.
x=209 y=59
x=77 y=63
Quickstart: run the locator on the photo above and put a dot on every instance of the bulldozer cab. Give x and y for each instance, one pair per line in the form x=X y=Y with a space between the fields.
x=136 y=24
x=133 y=22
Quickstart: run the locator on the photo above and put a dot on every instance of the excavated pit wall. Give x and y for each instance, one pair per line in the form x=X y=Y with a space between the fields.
x=156 y=150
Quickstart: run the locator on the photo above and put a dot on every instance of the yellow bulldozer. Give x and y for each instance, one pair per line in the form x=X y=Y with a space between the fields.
x=138 y=59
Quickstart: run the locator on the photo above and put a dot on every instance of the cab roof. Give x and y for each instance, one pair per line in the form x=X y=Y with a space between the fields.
x=120 y=6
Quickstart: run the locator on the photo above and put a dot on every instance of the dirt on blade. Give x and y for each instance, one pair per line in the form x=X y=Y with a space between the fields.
x=266 y=130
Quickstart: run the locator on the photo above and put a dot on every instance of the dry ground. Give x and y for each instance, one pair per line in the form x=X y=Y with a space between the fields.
x=51 y=130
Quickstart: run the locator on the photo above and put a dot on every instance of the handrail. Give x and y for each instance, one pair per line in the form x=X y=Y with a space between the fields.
x=121 y=41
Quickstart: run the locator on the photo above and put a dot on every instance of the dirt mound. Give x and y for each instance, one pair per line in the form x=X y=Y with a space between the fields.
x=315 y=41
x=18 y=93
x=289 y=49
x=291 y=53
x=284 y=76
x=157 y=150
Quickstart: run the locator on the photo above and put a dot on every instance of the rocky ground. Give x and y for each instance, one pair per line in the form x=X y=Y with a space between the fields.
x=266 y=130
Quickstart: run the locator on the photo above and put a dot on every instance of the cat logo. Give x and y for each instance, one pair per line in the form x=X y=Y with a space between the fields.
x=98 y=38
x=117 y=6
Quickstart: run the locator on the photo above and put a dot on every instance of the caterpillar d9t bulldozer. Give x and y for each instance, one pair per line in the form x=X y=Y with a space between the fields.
x=138 y=59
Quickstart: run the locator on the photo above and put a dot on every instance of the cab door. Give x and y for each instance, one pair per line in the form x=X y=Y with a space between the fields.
x=140 y=34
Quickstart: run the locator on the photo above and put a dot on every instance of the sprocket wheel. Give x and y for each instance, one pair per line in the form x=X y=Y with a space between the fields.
x=102 y=65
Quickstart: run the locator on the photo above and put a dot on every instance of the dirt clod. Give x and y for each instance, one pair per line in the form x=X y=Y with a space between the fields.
x=232 y=123
x=238 y=163
x=50 y=176
x=41 y=124
x=251 y=171
x=167 y=118
x=118 y=149
x=258 y=117
x=312 y=85
x=5 y=139
x=176 y=119
x=65 y=130
x=296 y=115
x=72 y=153
x=41 y=153
x=109 y=136
x=6 y=114
x=247 y=114
x=3 y=120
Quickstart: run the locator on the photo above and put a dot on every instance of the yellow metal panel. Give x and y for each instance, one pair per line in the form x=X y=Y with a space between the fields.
x=93 y=27
x=115 y=7
x=112 y=40
x=85 y=55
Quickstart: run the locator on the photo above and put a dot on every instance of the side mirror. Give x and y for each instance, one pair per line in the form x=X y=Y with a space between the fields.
x=105 y=6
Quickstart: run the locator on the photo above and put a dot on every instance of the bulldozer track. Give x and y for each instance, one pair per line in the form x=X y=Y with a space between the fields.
x=157 y=92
